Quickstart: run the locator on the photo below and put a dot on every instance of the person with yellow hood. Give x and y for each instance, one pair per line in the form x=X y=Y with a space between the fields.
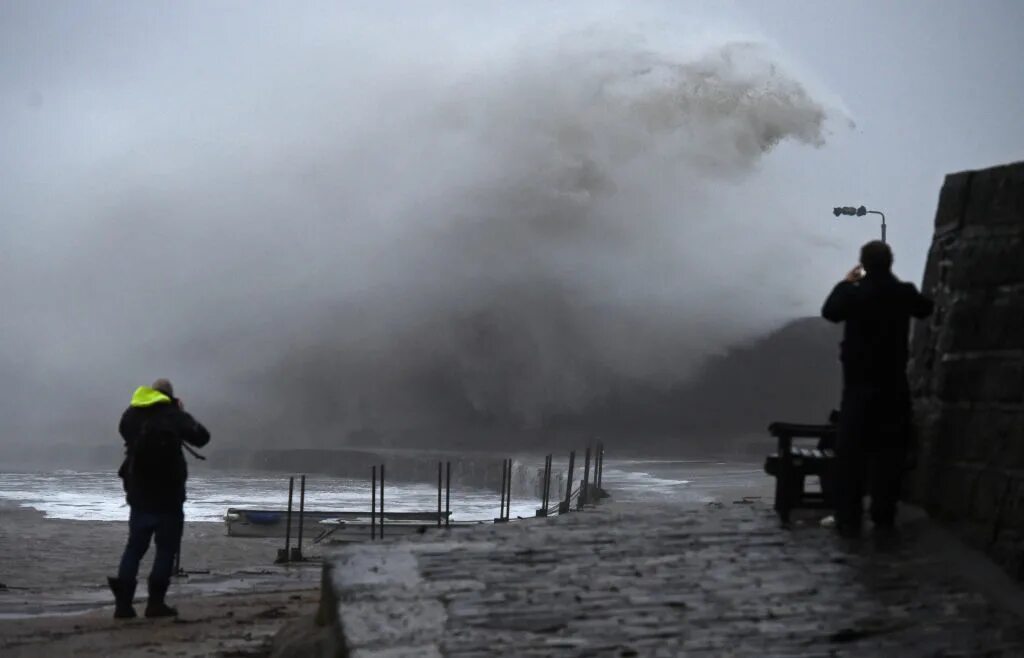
x=155 y=428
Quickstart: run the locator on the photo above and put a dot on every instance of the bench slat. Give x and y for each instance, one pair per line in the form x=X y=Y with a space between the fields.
x=800 y=430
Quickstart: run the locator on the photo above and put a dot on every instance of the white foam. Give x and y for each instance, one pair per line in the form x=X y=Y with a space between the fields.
x=99 y=496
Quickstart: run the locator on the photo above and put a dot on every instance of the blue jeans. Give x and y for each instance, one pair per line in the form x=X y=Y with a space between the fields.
x=165 y=528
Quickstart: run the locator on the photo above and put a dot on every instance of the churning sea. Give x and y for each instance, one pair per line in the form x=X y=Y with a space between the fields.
x=98 y=496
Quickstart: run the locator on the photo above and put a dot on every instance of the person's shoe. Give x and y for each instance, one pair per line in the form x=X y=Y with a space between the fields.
x=124 y=592
x=155 y=606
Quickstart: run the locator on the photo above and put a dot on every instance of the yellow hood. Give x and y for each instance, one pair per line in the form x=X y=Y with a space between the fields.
x=145 y=396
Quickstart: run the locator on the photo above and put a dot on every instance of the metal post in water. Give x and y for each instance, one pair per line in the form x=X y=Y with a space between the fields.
x=373 y=505
x=568 y=483
x=551 y=478
x=508 y=487
x=501 y=513
x=508 y=496
x=382 y=501
x=302 y=512
x=548 y=465
x=288 y=521
x=438 y=494
x=543 y=488
x=599 y=470
x=543 y=511
x=448 y=494
x=586 y=480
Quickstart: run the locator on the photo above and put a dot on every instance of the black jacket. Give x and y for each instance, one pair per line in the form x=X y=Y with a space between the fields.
x=877 y=311
x=166 y=494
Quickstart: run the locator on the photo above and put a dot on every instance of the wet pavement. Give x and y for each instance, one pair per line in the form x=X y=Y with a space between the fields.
x=642 y=580
x=216 y=626
x=25 y=603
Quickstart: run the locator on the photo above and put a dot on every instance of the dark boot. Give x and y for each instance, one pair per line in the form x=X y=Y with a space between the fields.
x=155 y=606
x=124 y=592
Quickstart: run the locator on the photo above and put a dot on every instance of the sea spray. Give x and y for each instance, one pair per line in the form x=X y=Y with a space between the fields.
x=403 y=226
x=571 y=241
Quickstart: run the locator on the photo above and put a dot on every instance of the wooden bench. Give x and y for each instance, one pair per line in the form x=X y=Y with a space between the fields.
x=792 y=464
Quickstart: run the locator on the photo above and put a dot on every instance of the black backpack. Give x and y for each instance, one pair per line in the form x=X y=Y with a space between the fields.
x=155 y=460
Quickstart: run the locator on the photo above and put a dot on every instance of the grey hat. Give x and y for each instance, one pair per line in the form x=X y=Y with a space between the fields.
x=164 y=386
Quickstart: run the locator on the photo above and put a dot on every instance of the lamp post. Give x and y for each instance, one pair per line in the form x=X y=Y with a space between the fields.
x=860 y=212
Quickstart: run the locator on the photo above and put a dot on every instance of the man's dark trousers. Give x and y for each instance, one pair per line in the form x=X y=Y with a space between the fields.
x=874 y=430
x=165 y=528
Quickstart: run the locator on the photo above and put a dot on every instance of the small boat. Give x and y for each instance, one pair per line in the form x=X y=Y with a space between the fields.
x=273 y=523
x=345 y=530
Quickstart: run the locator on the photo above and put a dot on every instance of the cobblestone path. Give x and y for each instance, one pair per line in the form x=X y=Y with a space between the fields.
x=722 y=580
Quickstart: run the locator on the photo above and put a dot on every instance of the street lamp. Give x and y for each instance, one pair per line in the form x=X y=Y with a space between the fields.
x=860 y=212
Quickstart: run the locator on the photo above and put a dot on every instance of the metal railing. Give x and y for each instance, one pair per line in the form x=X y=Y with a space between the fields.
x=585 y=492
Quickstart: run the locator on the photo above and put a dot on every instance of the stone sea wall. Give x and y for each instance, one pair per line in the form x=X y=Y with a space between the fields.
x=967 y=364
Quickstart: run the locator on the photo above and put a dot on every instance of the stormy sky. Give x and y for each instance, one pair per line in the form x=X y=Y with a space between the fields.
x=320 y=218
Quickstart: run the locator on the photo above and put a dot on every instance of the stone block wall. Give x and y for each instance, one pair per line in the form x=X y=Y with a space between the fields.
x=967 y=364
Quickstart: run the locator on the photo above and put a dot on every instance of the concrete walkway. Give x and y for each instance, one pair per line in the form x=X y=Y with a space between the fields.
x=627 y=580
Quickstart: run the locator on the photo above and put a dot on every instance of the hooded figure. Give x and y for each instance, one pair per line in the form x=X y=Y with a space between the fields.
x=154 y=427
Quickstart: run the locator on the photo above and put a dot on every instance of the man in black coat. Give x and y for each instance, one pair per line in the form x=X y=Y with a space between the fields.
x=154 y=428
x=875 y=417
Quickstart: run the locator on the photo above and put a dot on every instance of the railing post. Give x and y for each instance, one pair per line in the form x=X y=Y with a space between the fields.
x=508 y=495
x=547 y=491
x=568 y=483
x=585 y=482
x=373 y=505
x=297 y=551
x=288 y=521
x=504 y=474
x=545 y=487
x=448 y=494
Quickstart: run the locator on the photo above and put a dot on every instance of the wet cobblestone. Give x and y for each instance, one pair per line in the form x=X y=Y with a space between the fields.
x=631 y=581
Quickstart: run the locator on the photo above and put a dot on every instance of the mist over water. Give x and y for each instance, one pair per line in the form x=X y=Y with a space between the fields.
x=380 y=224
